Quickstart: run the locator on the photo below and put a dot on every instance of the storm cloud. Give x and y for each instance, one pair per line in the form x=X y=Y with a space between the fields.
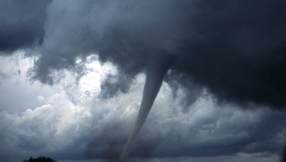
x=234 y=50
x=22 y=23
x=70 y=121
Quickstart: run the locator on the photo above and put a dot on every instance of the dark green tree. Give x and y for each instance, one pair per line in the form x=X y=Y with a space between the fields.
x=40 y=159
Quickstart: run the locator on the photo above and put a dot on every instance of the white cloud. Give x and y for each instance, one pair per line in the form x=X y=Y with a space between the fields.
x=70 y=115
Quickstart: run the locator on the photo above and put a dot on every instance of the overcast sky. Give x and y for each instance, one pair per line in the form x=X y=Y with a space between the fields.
x=72 y=75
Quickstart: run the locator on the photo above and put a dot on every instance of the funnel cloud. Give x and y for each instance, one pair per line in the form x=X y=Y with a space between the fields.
x=156 y=71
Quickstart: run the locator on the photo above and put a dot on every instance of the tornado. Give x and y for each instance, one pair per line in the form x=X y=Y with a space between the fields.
x=156 y=70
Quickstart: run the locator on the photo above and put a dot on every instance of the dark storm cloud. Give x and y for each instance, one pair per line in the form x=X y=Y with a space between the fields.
x=241 y=56
x=21 y=23
x=234 y=48
x=113 y=84
x=191 y=91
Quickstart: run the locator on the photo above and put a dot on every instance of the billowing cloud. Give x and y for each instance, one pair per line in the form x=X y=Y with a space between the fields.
x=206 y=130
x=226 y=56
x=22 y=23
x=70 y=121
x=236 y=49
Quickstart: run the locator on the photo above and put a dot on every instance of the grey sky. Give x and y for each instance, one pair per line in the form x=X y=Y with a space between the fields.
x=72 y=74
